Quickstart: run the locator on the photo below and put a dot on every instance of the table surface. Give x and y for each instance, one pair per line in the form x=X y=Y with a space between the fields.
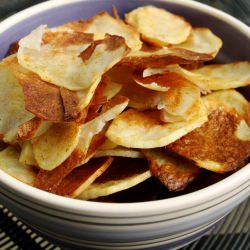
x=232 y=233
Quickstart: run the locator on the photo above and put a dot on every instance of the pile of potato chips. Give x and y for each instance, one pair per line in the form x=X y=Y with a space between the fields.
x=96 y=106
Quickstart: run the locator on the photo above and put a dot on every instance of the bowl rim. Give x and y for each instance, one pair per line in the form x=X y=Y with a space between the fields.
x=126 y=209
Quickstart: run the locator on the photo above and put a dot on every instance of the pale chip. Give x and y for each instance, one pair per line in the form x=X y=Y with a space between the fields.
x=78 y=66
x=27 y=155
x=121 y=175
x=226 y=76
x=136 y=129
x=12 y=105
x=9 y=163
x=102 y=24
x=202 y=40
x=158 y=26
x=174 y=172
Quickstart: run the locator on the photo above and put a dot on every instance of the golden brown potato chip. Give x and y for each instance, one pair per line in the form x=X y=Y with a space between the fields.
x=174 y=172
x=55 y=145
x=32 y=128
x=122 y=174
x=159 y=26
x=10 y=164
x=136 y=129
x=226 y=76
x=202 y=40
x=12 y=105
x=27 y=155
x=162 y=57
x=79 y=65
x=80 y=178
x=102 y=24
x=217 y=145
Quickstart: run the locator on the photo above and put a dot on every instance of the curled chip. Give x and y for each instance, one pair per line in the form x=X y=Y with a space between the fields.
x=122 y=174
x=102 y=24
x=80 y=178
x=12 y=111
x=226 y=76
x=174 y=172
x=159 y=26
x=162 y=57
x=10 y=164
x=136 y=129
x=222 y=144
x=80 y=61
x=202 y=40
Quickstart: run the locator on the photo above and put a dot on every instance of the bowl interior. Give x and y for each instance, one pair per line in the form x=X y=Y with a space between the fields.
x=235 y=36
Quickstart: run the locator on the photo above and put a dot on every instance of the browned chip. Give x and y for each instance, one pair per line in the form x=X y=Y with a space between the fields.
x=174 y=172
x=13 y=49
x=162 y=57
x=80 y=178
x=50 y=180
x=31 y=129
x=215 y=145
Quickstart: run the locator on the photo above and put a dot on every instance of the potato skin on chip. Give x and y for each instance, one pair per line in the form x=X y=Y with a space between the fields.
x=162 y=57
x=174 y=172
x=80 y=178
x=215 y=145
x=158 y=26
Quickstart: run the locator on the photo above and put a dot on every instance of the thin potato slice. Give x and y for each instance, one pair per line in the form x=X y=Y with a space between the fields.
x=27 y=155
x=174 y=172
x=218 y=145
x=79 y=65
x=102 y=24
x=32 y=128
x=12 y=105
x=80 y=178
x=122 y=174
x=56 y=144
x=119 y=152
x=9 y=163
x=202 y=40
x=226 y=76
x=162 y=57
x=135 y=129
x=158 y=26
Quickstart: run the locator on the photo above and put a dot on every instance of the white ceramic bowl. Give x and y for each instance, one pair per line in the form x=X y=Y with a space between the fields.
x=162 y=224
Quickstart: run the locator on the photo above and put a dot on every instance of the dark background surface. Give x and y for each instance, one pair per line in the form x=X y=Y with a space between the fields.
x=232 y=233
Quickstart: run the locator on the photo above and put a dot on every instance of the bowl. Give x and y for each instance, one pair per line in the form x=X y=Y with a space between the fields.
x=162 y=224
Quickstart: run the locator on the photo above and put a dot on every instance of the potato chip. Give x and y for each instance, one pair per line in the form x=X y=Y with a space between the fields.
x=174 y=172
x=80 y=62
x=80 y=178
x=226 y=76
x=107 y=145
x=122 y=174
x=32 y=128
x=10 y=164
x=119 y=152
x=158 y=26
x=27 y=155
x=202 y=40
x=217 y=145
x=136 y=129
x=162 y=57
x=56 y=144
x=102 y=24
x=12 y=109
